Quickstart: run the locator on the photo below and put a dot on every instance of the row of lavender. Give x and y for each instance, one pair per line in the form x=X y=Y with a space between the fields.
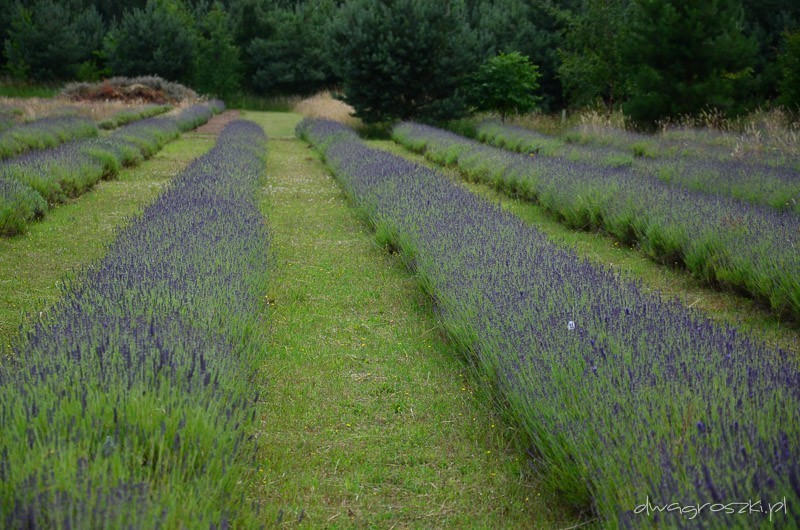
x=43 y=133
x=719 y=239
x=129 y=403
x=753 y=181
x=744 y=179
x=622 y=394
x=127 y=116
x=34 y=181
x=768 y=142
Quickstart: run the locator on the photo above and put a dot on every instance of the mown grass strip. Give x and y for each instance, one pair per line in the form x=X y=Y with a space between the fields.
x=33 y=265
x=371 y=418
x=726 y=307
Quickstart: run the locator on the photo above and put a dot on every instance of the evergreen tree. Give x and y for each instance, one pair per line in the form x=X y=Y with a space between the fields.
x=766 y=21
x=789 y=62
x=157 y=40
x=218 y=66
x=403 y=59
x=686 y=56
x=48 y=40
x=291 y=58
x=532 y=28
x=592 y=65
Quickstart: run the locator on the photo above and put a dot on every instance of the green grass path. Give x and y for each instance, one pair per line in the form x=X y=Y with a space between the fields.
x=370 y=419
x=72 y=235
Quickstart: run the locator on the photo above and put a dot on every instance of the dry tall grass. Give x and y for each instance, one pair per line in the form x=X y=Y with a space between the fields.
x=28 y=109
x=323 y=105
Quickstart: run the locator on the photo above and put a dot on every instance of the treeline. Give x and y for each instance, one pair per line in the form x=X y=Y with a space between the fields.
x=652 y=58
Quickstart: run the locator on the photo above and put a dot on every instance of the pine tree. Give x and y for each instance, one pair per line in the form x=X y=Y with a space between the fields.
x=48 y=40
x=157 y=40
x=218 y=70
x=403 y=59
x=686 y=56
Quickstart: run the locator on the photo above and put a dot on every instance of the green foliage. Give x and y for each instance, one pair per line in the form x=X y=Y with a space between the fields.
x=157 y=40
x=685 y=57
x=505 y=84
x=403 y=59
x=789 y=61
x=218 y=70
x=48 y=40
x=291 y=57
x=592 y=59
x=533 y=28
x=766 y=21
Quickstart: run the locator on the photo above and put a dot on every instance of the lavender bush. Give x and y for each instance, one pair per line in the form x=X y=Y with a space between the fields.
x=719 y=239
x=46 y=132
x=127 y=116
x=70 y=169
x=624 y=396
x=128 y=404
x=753 y=181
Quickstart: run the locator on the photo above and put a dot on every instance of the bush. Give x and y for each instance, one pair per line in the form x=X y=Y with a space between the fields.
x=505 y=84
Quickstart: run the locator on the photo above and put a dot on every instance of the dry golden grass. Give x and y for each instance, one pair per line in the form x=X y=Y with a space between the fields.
x=323 y=105
x=35 y=108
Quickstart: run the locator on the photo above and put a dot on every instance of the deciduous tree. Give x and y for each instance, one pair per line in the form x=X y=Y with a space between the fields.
x=505 y=84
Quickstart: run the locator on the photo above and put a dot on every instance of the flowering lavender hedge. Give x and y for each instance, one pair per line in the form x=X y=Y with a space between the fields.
x=217 y=105
x=70 y=169
x=128 y=404
x=719 y=239
x=756 y=182
x=46 y=132
x=622 y=394
x=127 y=116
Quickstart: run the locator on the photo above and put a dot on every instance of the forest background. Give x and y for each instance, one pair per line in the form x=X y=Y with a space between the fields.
x=416 y=59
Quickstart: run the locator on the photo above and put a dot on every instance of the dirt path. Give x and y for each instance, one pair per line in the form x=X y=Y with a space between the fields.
x=218 y=122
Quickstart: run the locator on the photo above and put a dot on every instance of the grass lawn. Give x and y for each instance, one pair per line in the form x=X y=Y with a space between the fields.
x=723 y=306
x=371 y=420
x=72 y=235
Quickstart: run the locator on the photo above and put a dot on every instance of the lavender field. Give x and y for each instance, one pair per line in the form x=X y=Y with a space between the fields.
x=623 y=396
x=33 y=182
x=719 y=239
x=128 y=403
x=769 y=177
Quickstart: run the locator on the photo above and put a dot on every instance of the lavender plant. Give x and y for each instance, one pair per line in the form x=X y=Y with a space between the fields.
x=626 y=398
x=128 y=404
x=43 y=133
x=127 y=116
x=70 y=169
x=719 y=239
